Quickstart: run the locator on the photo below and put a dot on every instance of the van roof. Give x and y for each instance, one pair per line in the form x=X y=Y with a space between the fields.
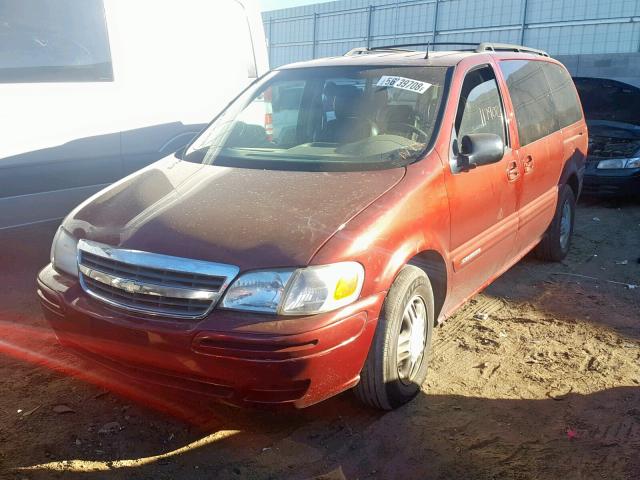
x=398 y=55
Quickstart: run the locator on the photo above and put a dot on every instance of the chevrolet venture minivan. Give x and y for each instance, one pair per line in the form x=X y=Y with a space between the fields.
x=309 y=240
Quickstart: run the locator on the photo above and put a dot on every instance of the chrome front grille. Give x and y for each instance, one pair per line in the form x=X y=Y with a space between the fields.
x=151 y=283
x=153 y=275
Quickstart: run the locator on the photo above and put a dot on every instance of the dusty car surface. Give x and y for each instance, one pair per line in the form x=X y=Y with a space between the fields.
x=283 y=264
x=612 y=112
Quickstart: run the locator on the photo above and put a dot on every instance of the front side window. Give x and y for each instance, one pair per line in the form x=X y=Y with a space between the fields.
x=480 y=107
x=53 y=41
x=531 y=98
x=334 y=118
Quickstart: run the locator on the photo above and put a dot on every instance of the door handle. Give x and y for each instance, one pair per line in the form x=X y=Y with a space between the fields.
x=513 y=171
x=528 y=164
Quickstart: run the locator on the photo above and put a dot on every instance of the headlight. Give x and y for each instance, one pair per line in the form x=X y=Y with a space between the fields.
x=64 y=252
x=633 y=163
x=257 y=291
x=305 y=291
x=620 y=163
x=323 y=288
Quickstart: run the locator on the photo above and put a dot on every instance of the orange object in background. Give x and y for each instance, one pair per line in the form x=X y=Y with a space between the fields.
x=268 y=114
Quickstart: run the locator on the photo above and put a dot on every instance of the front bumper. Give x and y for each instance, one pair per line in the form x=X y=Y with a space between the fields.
x=239 y=358
x=623 y=181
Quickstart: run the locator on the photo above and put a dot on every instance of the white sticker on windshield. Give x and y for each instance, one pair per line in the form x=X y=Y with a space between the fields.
x=403 y=83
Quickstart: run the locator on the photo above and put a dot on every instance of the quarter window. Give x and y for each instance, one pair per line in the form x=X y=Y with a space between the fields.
x=480 y=107
x=53 y=41
x=563 y=94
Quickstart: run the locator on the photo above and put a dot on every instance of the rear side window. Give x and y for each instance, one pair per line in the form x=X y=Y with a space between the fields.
x=563 y=94
x=531 y=98
x=53 y=41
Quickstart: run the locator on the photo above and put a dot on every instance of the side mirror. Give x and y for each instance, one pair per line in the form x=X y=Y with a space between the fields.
x=477 y=149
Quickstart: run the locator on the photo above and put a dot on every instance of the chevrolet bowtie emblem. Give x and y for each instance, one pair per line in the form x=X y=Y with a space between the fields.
x=129 y=286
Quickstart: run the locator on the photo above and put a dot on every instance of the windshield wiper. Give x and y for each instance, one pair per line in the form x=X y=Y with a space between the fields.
x=406 y=155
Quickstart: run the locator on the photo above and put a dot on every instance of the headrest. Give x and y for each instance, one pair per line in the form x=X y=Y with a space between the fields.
x=346 y=102
x=400 y=114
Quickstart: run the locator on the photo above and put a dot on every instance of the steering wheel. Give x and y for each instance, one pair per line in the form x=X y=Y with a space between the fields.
x=413 y=128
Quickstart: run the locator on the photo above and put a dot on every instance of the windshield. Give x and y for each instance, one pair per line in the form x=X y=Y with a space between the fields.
x=345 y=118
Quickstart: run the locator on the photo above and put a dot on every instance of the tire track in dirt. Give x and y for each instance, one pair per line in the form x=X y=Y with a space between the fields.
x=449 y=332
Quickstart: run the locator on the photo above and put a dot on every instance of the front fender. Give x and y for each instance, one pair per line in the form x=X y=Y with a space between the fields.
x=409 y=219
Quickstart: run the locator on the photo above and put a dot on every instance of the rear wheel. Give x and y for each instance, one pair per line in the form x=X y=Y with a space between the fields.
x=396 y=365
x=557 y=240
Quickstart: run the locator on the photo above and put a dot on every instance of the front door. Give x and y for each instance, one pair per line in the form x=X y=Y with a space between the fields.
x=483 y=200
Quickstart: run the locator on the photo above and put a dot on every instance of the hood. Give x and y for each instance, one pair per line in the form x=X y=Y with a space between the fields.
x=246 y=217
x=605 y=128
x=609 y=100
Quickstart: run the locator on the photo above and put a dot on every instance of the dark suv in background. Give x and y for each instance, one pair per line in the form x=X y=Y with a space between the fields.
x=612 y=112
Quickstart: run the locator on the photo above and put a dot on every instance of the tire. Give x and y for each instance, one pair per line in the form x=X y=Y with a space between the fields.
x=382 y=385
x=554 y=245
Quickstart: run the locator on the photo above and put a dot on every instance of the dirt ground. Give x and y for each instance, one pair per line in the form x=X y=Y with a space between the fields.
x=538 y=377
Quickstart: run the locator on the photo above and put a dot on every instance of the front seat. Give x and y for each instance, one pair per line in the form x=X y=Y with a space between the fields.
x=350 y=125
x=399 y=119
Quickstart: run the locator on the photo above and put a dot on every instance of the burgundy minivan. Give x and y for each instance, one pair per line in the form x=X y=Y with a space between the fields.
x=311 y=237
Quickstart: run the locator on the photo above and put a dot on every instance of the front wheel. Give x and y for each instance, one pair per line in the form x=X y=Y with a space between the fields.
x=396 y=365
x=557 y=240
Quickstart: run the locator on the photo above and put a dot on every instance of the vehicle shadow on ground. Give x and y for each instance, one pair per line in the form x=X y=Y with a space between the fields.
x=23 y=252
x=601 y=272
x=433 y=437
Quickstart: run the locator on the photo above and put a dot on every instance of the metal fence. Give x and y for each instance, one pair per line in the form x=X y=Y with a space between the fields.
x=562 y=27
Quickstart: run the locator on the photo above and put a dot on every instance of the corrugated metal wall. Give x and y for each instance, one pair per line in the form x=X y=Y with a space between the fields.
x=562 y=27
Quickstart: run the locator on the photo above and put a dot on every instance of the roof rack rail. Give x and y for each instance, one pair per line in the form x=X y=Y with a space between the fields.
x=402 y=47
x=479 y=48
x=366 y=50
x=507 y=47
